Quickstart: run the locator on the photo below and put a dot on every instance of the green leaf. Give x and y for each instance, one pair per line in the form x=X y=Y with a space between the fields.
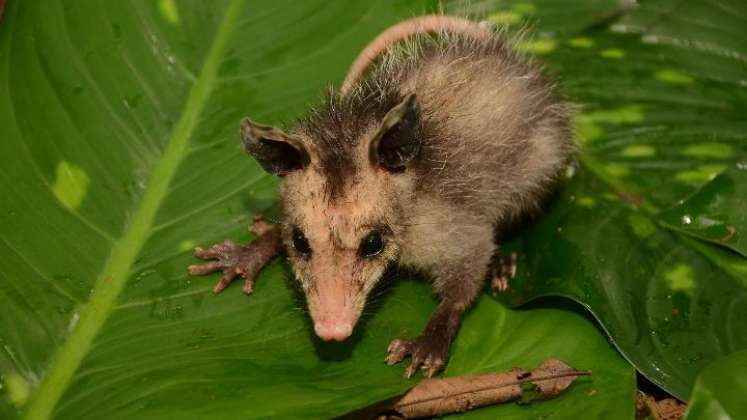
x=662 y=95
x=719 y=391
x=495 y=339
x=525 y=338
x=671 y=305
x=715 y=211
x=549 y=17
x=119 y=154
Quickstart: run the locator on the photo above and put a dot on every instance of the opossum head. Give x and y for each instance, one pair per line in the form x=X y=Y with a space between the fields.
x=345 y=179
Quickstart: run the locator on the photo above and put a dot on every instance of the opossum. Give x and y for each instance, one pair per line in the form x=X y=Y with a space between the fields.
x=440 y=135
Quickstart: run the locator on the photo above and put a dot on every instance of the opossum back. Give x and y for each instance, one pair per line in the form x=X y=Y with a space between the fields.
x=495 y=135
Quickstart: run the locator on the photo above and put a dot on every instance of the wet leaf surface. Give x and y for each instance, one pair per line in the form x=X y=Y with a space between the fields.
x=717 y=212
x=720 y=389
x=119 y=154
x=671 y=305
x=662 y=93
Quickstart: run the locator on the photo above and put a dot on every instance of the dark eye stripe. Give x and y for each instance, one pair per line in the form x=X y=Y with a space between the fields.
x=300 y=243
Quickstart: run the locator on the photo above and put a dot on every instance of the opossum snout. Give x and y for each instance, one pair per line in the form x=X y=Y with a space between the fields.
x=331 y=310
x=331 y=329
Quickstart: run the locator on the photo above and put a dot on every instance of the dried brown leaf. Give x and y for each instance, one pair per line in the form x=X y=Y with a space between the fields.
x=668 y=409
x=662 y=409
x=437 y=397
x=559 y=377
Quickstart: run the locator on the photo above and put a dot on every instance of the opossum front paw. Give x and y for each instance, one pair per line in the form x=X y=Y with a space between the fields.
x=227 y=257
x=234 y=260
x=428 y=353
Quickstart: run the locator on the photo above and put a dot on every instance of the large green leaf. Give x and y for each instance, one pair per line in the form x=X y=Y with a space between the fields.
x=671 y=305
x=525 y=338
x=720 y=390
x=119 y=154
x=545 y=17
x=715 y=211
x=663 y=97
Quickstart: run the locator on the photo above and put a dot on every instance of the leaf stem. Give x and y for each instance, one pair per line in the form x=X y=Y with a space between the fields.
x=116 y=270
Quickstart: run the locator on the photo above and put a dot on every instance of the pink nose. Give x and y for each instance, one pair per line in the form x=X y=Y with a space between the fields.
x=328 y=331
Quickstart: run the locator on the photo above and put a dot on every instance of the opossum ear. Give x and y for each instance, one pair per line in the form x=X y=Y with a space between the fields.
x=397 y=141
x=277 y=152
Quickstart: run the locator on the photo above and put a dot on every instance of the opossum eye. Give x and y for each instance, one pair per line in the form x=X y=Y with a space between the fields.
x=300 y=243
x=372 y=244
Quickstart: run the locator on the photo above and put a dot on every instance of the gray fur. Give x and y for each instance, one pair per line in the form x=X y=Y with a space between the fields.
x=491 y=137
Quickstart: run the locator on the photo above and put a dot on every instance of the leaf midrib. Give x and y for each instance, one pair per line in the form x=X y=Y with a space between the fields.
x=124 y=251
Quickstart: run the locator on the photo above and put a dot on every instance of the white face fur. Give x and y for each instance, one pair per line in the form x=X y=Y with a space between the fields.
x=340 y=229
x=339 y=247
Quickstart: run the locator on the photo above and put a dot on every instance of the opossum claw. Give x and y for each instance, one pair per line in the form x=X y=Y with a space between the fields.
x=260 y=226
x=504 y=269
x=428 y=353
x=235 y=260
x=397 y=350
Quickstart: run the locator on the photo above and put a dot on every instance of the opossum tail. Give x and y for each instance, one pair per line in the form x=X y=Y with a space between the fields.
x=404 y=30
